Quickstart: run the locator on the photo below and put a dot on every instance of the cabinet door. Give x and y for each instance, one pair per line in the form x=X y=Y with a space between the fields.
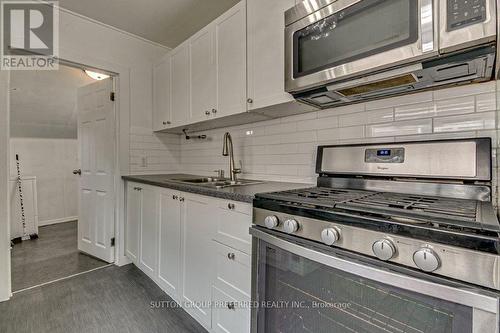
x=161 y=95
x=230 y=37
x=198 y=254
x=149 y=230
x=266 y=49
x=179 y=67
x=134 y=208
x=203 y=79
x=170 y=242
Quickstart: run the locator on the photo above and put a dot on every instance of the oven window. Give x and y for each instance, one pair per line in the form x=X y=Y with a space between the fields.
x=298 y=295
x=366 y=28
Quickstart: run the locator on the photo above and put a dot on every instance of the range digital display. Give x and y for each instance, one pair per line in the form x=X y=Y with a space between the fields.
x=384 y=152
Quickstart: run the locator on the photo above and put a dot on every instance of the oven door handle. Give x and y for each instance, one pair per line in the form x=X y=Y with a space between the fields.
x=465 y=297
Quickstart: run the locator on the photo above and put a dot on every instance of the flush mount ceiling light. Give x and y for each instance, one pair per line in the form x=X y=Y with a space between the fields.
x=96 y=76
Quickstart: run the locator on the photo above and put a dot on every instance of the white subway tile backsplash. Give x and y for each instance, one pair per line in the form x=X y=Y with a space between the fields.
x=284 y=149
x=336 y=134
x=415 y=111
x=461 y=105
x=367 y=117
x=486 y=102
x=470 y=89
x=475 y=121
x=321 y=123
x=408 y=127
x=421 y=97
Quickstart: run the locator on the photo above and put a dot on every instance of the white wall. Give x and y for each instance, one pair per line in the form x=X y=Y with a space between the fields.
x=87 y=42
x=52 y=162
x=284 y=149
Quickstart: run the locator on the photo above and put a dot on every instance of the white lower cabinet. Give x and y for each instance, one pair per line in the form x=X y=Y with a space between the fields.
x=197 y=249
x=230 y=314
x=132 y=231
x=198 y=221
x=169 y=255
x=149 y=230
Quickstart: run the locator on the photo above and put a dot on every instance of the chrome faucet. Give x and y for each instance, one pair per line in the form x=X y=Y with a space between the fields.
x=227 y=150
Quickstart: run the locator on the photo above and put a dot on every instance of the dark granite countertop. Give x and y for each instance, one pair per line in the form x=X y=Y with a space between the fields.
x=243 y=193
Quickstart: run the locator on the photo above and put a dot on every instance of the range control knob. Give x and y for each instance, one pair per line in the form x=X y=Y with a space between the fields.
x=426 y=259
x=271 y=222
x=330 y=236
x=291 y=226
x=384 y=249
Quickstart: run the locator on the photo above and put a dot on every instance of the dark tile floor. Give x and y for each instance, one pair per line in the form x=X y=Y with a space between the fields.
x=111 y=299
x=52 y=256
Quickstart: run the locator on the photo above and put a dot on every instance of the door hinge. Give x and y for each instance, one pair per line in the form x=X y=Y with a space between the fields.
x=113 y=241
x=112 y=96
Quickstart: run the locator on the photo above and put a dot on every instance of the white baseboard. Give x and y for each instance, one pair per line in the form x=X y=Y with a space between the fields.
x=56 y=221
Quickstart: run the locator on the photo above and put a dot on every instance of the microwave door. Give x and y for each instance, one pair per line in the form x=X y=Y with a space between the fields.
x=350 y=38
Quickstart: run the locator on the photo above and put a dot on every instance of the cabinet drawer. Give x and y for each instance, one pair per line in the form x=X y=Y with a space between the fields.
x=236 y=206
x=232 y=230
x=233 y=269
x=229 y=314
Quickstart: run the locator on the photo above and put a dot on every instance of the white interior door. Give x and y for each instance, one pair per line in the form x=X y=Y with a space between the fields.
x=96 y=134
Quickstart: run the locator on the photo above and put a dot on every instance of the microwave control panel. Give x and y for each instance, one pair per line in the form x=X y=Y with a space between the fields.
x=462 y=13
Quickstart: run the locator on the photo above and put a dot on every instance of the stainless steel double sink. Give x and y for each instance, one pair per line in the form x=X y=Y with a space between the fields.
x=217 y=182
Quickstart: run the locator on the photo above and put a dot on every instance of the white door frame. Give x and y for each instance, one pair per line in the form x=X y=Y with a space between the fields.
x=121 y=83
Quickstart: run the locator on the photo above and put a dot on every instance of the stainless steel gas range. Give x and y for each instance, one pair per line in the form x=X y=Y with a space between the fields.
x=399 y=237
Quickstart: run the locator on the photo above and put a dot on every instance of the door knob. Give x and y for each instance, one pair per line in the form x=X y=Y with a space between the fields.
x=77 y=172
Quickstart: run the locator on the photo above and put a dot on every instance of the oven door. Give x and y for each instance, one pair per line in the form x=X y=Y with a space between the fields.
x=351 y=37
x=299 y=288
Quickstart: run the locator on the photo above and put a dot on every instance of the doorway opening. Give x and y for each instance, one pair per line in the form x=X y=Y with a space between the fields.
x=62 y=153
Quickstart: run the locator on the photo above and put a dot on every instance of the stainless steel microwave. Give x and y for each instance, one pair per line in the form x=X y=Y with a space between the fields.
x=341 y=51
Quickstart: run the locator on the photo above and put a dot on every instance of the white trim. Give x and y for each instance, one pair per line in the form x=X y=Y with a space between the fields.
x=56 y=221
x=67 y=11
x=61 y=279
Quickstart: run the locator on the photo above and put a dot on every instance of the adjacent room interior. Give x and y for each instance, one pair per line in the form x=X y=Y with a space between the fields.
x=45 y=157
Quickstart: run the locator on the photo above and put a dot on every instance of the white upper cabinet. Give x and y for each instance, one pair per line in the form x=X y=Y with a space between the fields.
x=233 y=65
x=266 y=52
x=162 y=118
x=230 y=39
x=203 y=76
x=180 y=89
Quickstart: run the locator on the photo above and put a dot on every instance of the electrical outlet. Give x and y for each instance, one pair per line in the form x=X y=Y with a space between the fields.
x=144 y=162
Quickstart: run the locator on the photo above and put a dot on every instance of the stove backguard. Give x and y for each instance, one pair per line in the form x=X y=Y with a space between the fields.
x=452 y=160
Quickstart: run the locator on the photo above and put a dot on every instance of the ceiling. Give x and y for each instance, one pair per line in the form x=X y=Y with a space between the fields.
x=43 y=103
x=168 y=22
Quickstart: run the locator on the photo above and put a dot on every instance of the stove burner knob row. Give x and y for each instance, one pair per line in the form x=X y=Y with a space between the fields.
x=384 y=249
x=271 y=222
x=291 y=226
x=330 y=236
x=426 y=259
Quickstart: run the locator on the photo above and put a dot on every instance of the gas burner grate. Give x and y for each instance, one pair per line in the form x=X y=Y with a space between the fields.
x=461 y=209
x=389 y=203
x=318 y=196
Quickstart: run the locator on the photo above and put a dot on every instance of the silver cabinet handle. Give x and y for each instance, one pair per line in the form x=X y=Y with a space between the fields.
x=137 y=188
x=231 y=305
x=167 y=123
x=214 y=111
x=181 y=199
x=249 y=101
x=175 y=197
x=77 y=172
x=207 y=113
x=231 y=256
x=231 y=206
